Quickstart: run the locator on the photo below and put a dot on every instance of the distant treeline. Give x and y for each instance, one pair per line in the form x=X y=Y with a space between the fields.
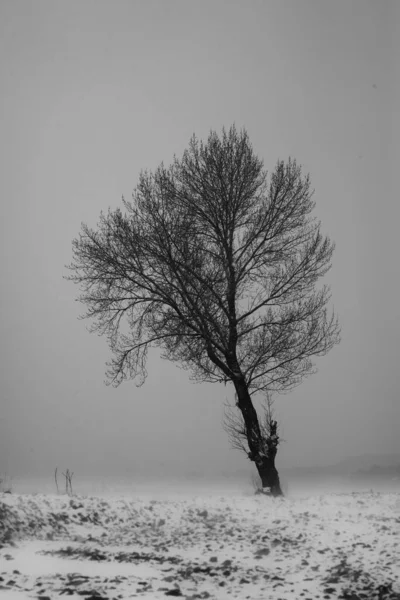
x=378 y=471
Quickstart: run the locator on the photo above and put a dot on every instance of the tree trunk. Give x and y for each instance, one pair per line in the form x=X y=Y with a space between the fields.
x=269 y=476
x=261 y=452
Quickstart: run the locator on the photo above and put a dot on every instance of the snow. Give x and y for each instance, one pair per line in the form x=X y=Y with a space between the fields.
x=330 y=545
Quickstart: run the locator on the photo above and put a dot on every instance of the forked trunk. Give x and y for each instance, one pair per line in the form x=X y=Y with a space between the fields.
x=261 y=451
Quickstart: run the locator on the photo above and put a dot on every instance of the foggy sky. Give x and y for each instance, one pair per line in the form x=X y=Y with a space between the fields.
x=91 y=93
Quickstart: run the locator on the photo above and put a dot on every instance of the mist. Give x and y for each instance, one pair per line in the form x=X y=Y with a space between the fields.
x=94 y=92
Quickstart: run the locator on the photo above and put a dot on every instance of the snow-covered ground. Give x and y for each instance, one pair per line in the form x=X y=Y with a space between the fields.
x=200 y=544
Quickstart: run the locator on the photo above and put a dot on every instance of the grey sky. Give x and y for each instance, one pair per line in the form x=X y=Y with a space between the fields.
x=94 y=91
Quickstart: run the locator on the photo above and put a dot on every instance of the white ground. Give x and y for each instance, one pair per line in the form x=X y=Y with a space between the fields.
x=344 y=545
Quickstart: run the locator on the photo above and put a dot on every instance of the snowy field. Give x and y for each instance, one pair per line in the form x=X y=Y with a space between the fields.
x=198 y=541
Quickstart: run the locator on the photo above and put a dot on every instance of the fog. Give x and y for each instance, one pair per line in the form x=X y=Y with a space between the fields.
x=91 y=93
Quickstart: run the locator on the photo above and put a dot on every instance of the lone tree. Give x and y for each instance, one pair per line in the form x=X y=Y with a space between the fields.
x=216 y=263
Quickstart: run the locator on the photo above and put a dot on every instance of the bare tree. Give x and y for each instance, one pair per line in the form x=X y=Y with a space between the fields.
x=216 y=263
x=68 y=482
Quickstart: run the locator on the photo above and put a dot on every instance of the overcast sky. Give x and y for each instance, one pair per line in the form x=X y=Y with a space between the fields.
x=91 y=93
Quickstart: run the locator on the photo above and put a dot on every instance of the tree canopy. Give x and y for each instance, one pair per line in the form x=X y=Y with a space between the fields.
x=215 y=262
